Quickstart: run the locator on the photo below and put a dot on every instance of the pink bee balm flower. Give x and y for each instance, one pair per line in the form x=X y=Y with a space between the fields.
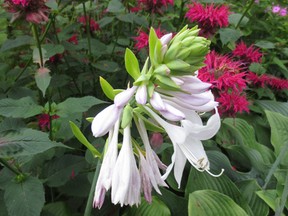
x=267 y=80
x=143 y=39
x=247 y=54
x=32 y=10
x=209 y=17
x=94 y=26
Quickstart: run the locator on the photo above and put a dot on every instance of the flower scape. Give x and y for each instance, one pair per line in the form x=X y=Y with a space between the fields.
x=168 y=97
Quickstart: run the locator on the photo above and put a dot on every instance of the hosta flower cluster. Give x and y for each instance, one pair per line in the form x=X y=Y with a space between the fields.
x=166 y=96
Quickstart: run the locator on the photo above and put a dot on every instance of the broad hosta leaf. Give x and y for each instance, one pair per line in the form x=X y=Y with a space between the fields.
x=60 y=170
x=26 y=142
x=15 y=43
x=211 y=203
x=157 y=207
x=274 y=106
x=25 y=198
x=21 y=108
x=131 y=64
x=229 y=35
x=56 y=209
x=270 y=197
x=279 y=133
x=3 y=208
x=202 y=180
x=42 y=81
x=248 y=190
x=76 y=105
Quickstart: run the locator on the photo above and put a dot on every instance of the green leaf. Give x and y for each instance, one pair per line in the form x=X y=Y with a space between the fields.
x=131 y=64
x=202 y=180
x=3 y=208
x=248 y=190
x=166 y=83
x=115 y=6
x=257 y=68
x=211 y=203
x=105 y=21
x=80 y=136
x=152 y=43
x=279 y=133
x=107 y=88
x=20 y=108
x=77 y=105
x=25 y=143
x=15 y=43
x=278 y=62
x=107 y=66
x=56 y=209
x=52 y=49
x=156 y=207
x=270 y=197
x=59 y=171
x=265 y=44
x=274 y=106
x=228 y=35
x=235 y=18
x=25 y=198
x=42 y=81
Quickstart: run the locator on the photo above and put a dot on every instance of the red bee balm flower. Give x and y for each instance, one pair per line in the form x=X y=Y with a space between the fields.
x=44 y=121
x=143 y=38
x=94 y=26
x=154 y=6
x=247 y=54
x=34 y=11
x=209 y=17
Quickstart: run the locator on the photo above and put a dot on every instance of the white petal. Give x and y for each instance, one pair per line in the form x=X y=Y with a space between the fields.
x=157 y=102
x=171 y=113
x=141 y=95
x=165 y=39
x=123 y=97
x=105 y=120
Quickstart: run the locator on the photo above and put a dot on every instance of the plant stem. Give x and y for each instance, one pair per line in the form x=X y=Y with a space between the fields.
x=89 y=204
x=6 y=164
x=245 y=12
x=87 y=19
x=38 y=41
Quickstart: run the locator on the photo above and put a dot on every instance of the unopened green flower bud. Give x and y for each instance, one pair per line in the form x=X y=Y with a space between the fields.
x=172 y=52
x=178 y=65
x=162 y=69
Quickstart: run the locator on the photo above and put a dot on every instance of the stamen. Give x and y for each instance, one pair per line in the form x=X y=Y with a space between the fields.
x=214 y=175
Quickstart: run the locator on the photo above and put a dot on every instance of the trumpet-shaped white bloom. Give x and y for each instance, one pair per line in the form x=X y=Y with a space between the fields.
x=141 y=95
x=126 y=182
x=123 y=97
x=185 y=147
x=105 y=120
x=105 y=175
x=149 y=166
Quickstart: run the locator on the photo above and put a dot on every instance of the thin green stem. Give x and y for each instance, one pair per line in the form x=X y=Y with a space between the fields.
x=87 y=19
x=6 y=164
x=244 y=14
x=89 y=204
x=38 y=41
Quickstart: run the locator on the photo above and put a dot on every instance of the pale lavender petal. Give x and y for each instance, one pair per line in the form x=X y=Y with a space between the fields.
x=165 y=39
x=157 y=102
x=171 y=113
x=141 y=95
x=123 y=97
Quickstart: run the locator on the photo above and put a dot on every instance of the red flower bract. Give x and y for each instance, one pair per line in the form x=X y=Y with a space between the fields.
x=154 y=6
x=143 y=38
x=34 y=11
x=267 y=80
x=209 y=17
x=44 y=121
x=247 y=54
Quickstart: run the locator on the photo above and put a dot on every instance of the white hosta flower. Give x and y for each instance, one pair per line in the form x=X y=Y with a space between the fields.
x=126 y=182
x=141 y=95
x=149 y=166
x=185 y=147
x=105 y=120
x=106 y=172
x=123 y=97
x=165 y=39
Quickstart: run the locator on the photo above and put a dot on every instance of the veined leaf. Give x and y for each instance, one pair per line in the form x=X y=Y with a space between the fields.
x=211 y=203
x=274 y=106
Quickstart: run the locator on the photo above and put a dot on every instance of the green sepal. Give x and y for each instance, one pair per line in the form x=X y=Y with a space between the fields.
x=152 y=43
x=107 y=88
x=150 y=89
x=166 y=82
x=117 y=91
x=127 y=116
x=157 y=53
x=145 y=67
x=142 y=79
x=90 y=119
x=178 y=65
x=148 y=124
x=162 y=69
x=180 y=35
x=172 y=52
x=80 y=136
x=131 y=64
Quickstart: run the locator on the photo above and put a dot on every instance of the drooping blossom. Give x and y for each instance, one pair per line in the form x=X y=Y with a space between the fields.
x=31 y=10
x=247 y=54
x=142 y=39
x=227 y=78
x=209 y=17
x=94 y=26
x=154 y=6
x=44 y=121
